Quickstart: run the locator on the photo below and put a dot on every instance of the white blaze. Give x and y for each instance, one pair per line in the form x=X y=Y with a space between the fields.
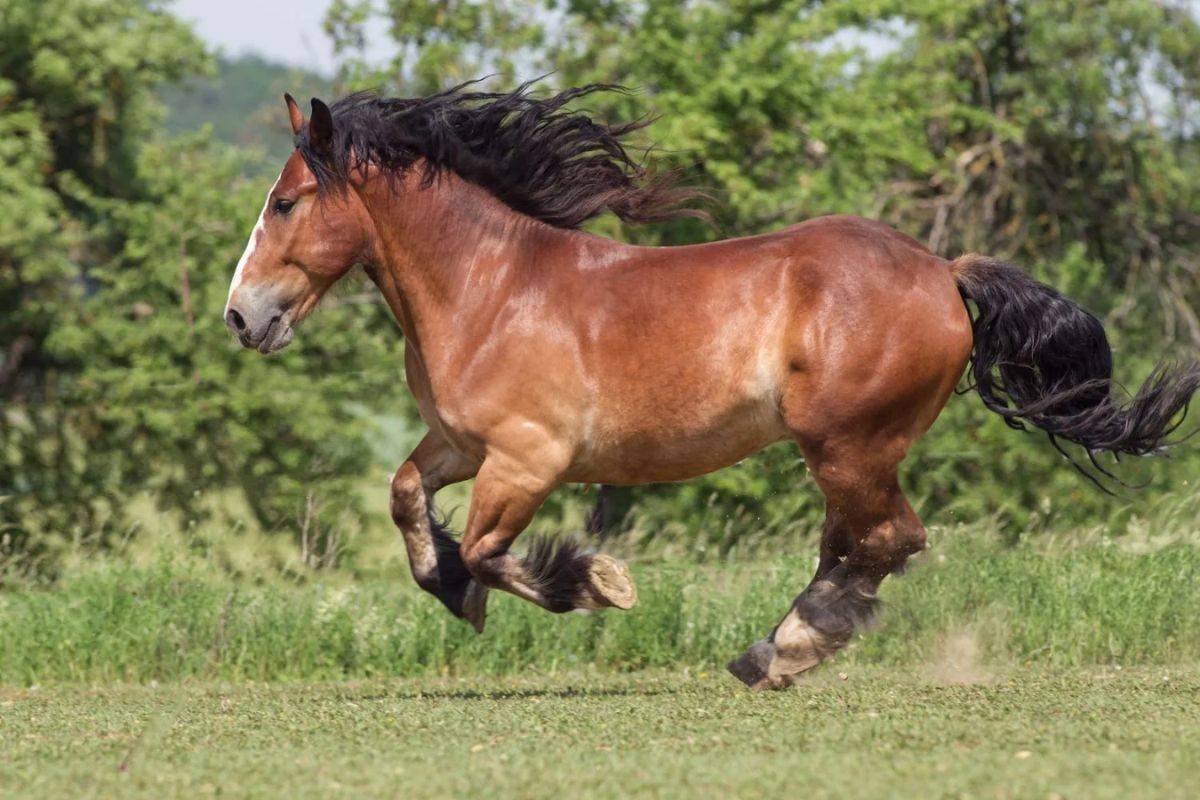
x=249 y=251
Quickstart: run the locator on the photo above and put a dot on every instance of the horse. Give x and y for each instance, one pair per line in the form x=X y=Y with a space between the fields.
x=540 y=354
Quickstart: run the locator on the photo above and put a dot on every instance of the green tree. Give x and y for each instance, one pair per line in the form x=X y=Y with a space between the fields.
x=439 y=43
x=73 y=110
x=116 y=249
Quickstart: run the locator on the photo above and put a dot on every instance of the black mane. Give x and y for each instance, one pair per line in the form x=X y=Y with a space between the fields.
x=539 y=158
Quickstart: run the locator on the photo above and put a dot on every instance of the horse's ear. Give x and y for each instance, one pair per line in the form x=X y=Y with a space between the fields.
x=320 y=127
x=294 y=113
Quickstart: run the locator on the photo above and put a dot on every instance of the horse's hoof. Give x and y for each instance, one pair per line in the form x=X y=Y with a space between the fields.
x=474 y=607
x=612 y=582
x=754 y=667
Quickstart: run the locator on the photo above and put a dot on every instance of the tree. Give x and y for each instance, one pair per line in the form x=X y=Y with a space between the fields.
x=116 y=249
x=73 y=108
x=439 y=43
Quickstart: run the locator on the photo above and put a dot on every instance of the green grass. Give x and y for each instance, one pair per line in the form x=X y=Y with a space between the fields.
x=972 y=602
x=876 y=733
x=1063 y=666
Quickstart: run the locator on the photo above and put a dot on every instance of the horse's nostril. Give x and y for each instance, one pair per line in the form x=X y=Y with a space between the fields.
x=235 y=320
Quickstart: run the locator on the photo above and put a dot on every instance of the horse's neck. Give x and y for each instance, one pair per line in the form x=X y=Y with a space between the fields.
x=448 y=251
x=430 y=242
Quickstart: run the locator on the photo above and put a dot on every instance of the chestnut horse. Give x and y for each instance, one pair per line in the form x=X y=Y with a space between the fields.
x=539 y=354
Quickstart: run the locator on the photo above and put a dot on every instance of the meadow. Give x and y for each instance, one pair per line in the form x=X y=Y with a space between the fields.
x=862 y=732
x=1054 y=666
x=1086 y=599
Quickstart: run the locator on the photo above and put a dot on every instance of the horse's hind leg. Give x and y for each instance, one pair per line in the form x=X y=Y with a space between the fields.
x=836 y=541
x=869 y=517
x=561 y=578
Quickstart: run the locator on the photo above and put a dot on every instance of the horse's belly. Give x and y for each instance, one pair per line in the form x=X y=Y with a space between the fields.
x=682 y=443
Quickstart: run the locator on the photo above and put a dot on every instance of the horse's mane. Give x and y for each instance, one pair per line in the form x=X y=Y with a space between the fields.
x=554 y=164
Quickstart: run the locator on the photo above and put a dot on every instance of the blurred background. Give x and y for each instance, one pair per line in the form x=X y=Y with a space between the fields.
x=137 y=138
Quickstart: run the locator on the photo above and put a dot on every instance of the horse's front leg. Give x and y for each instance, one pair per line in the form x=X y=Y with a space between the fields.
x=556 y=577
x=433 y=554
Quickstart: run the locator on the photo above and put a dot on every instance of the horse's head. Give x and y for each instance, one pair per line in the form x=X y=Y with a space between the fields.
x=303 y=242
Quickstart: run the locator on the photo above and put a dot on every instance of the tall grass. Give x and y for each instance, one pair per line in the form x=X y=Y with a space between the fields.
x=1095 y=602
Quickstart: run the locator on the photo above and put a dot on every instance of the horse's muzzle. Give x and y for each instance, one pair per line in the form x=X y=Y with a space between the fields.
x=265 y=333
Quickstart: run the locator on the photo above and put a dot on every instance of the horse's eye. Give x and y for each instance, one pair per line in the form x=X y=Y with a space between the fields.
x=283 y=206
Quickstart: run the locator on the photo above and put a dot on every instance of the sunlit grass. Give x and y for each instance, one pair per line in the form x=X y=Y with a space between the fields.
x=860 y=732
x=181 y=615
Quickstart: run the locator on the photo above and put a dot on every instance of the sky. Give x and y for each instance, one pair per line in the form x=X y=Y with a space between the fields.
x=288 y=31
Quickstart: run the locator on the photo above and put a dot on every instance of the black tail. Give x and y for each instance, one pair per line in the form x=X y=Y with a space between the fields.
x=1041 y=359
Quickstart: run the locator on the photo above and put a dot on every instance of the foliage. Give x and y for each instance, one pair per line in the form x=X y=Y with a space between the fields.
x=1060 y=140
x=73 y=112
x=118 y=376
x=439 y=43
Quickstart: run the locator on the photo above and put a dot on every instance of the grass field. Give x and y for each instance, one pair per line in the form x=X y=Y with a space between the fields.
x=1065 y=666
x=1095 y=604
x=870 y=732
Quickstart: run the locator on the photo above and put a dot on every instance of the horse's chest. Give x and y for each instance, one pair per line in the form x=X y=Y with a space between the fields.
x=439 y=412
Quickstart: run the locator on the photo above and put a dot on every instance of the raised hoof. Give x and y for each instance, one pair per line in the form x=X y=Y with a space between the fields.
x=611 y=582
x=474 y=607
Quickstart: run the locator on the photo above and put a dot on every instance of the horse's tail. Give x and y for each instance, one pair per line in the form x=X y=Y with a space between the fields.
x=1040 y=358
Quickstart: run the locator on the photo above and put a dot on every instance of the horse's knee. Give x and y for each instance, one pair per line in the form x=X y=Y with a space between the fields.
x=408 y=497
x=410 y=512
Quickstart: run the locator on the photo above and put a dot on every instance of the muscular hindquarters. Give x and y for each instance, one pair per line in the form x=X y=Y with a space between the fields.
x=877 y=356
x=882 y=349
x=878 y=349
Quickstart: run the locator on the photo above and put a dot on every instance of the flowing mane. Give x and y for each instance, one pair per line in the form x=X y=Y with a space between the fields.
x=535 y=155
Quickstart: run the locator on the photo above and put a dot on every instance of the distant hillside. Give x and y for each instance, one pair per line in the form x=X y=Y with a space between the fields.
x=244 y=104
